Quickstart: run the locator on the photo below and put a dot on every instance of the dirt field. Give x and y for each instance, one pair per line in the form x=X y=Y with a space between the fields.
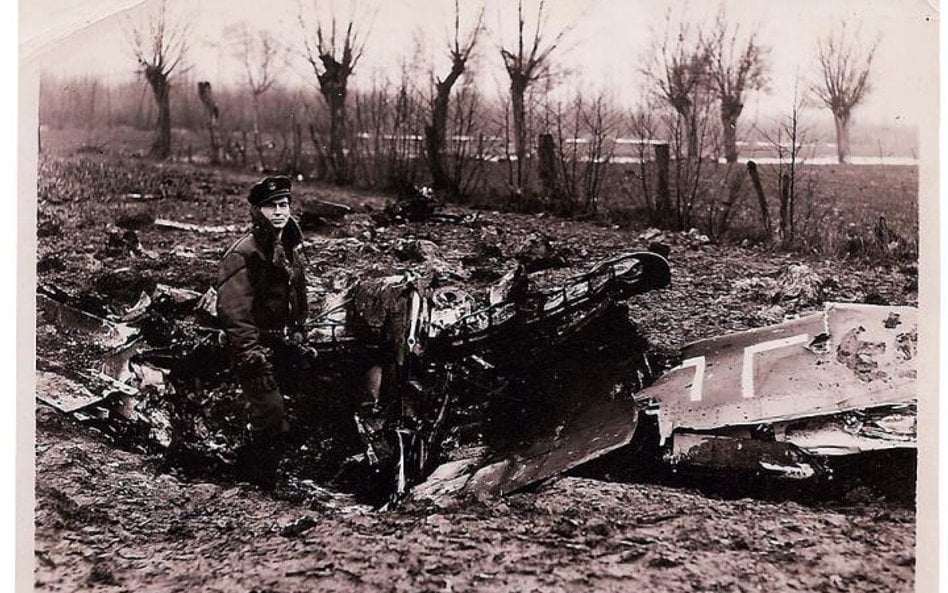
x=107 y=521
x=113 y=520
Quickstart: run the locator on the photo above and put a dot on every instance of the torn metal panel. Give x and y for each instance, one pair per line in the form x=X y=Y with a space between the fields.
x=139 y=309
x=854 y=432
x=717 y=452
x=121 y=340
x=115 y=364
x=107 y=333
x=179 y=296
x=111 y=384
x=63 y=393
x=848 y=357
x=150 y=376
x=69 y=390
x=596 y=430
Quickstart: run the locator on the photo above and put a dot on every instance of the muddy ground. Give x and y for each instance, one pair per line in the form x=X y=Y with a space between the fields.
x=110 y=519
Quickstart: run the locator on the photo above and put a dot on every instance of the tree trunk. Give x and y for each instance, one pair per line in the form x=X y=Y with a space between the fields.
x=161 y=145
x=297 y=148
x=434 y=154
x=108 y=106
x=434 y=139
x=320 y=165
x=213 y=121
x=257 y=141
x=518 y=108
x=688 y=119
x=694 y=150
x=730 y=112
x=436 y=133
x=337 y=134
x=842 y=137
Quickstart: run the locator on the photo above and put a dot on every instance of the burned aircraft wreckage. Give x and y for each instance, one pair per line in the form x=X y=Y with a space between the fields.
x=495 y=393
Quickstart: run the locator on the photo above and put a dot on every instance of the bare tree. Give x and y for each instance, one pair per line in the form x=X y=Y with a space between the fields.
x=844 y=65
x=678 y=70
x=643 y=124
x=435 y=131
x=526 y=64
x=160 y=47
x=333 y=59
x=469 y=147
x=260 y=54
x=789 y=141
x=578 y=152
x=735 y=66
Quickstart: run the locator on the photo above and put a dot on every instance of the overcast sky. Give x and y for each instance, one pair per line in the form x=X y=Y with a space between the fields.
x=604 y=49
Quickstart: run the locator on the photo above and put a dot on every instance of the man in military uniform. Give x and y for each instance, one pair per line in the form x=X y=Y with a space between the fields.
x=261 y=304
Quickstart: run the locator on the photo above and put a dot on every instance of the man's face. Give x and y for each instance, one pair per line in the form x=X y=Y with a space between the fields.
x=277 y=212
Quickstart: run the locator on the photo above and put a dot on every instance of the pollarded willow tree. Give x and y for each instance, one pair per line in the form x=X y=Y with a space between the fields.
x=436 y=131
x=334 y=57
x=735 y=65
x=844 y=66
x=160 y=47
x=526 y=63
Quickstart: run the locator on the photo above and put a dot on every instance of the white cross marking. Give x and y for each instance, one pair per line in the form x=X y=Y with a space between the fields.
x=697 y=384
x=747 y=375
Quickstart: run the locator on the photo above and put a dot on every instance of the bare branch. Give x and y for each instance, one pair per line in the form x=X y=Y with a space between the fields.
x=845 y=64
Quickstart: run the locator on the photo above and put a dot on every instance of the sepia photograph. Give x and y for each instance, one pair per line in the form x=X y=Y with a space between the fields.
x=492 y=295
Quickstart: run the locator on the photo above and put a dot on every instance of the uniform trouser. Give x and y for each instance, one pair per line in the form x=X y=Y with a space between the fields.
x=265 y=409
x=263 y=391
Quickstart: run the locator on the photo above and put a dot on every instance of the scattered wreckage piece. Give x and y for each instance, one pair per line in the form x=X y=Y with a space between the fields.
x=118 y=342
x=597 y=429
x=106 y=334
x=116 y=345
x=552 y=313
x=316 y=214
x=164 y=223
x=781 y=399
x=63 y=393
x=416 y=204
x=70 y=390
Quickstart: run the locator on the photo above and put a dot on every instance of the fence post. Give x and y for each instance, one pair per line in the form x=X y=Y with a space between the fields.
x=546 y=164
x=662 y=158
x=761 y=198
x=786 y=209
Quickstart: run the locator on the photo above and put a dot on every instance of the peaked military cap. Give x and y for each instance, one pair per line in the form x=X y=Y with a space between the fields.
x=269 y=189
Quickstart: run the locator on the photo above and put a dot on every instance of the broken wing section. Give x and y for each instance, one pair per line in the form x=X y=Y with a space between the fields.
x=838 y=382
x=599 y=428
